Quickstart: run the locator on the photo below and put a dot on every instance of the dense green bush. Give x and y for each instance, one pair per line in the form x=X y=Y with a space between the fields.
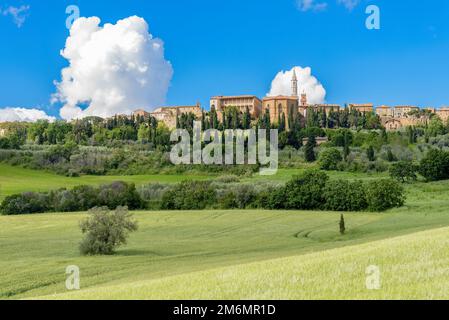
x=28 y=202
x=105 y=230
x=305 y=192
x=80 y=198
x=329 y=159
x=238 y=196
x=189 y=195
x=344 y=195
x=435 y=165
x=404 y=171
x=119 y=194
x=384 y=194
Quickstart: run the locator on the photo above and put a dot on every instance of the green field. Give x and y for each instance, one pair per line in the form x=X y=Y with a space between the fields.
x=408 y=267
x=17 y=179
x=172 y=250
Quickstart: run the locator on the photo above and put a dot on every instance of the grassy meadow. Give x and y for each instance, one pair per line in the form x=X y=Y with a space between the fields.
x=14 y=179
x=409 y=267
x=17 y=179
x=179 y=254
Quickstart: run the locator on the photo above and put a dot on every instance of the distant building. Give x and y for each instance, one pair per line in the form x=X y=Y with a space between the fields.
x=403 y=111
x=363 y=108
x=385 y=111
x=3 y=132
x=141 y=114
x=281 y=106
x=443 y=113
x=243 y=102
x=168 y=115
x=328 y=108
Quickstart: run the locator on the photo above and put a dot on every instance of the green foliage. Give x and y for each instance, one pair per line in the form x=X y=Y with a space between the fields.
x=329 y=159
x=80 y=198
x=309 y=149
x=435 y=165
x=305 y=191
x=371 y=154
x=344 y=195
x=342 y=225
x=404 y=171
x=189 y=195
x=105 y=230
x=28 y=202
x=384 y=194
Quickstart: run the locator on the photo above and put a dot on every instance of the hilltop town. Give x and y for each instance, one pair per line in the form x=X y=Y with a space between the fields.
x=391 y=117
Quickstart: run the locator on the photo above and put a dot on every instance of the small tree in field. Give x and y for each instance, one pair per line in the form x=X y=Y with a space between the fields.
x=342 y=225
x=106 y=230
x=404 y=171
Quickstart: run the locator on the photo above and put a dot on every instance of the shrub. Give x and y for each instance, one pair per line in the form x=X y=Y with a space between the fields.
x=119 y=194
x=80 y=198
x=28 y=202
x=329 y=159
x=384 y=194
x=227 y=179
x=305 y=191
x=371 y=155
x=189 y=195
x=245 y=196
x=152 y=194
x=228 y=200
x=343 y=195
x=271 y=198
x=435 y=165
x=403 y=171
x=105 y=230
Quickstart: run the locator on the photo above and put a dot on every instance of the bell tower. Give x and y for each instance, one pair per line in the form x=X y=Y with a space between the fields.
x=294 y=84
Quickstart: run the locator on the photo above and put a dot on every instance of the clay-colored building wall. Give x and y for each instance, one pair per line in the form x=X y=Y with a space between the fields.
x=384 y=111
x=443 y=113
x=363 y=108
x=403 y=111
x=220 y=103
x=281 y=105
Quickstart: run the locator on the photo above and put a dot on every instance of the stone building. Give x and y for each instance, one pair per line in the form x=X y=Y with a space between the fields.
x=403 y=111
x=385 y=111
x=243 y=102
x=328 y=108
x=281 y=105
x=363 y=108
x=168 y=115
x=443 y=113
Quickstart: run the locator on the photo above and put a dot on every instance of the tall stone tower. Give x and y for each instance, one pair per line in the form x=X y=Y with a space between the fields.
x=294 y=84
x=304 y=99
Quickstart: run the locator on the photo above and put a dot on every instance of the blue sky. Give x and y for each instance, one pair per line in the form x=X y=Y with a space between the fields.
x=237 y=47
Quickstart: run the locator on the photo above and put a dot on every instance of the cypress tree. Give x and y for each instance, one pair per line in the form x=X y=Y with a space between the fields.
x=342 y=225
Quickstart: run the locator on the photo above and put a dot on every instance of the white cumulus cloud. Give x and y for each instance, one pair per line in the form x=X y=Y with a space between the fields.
x=114 y=69
x=23 y=115
x=307 y=83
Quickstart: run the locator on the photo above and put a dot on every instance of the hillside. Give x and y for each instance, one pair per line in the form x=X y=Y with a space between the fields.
x=411 y=267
